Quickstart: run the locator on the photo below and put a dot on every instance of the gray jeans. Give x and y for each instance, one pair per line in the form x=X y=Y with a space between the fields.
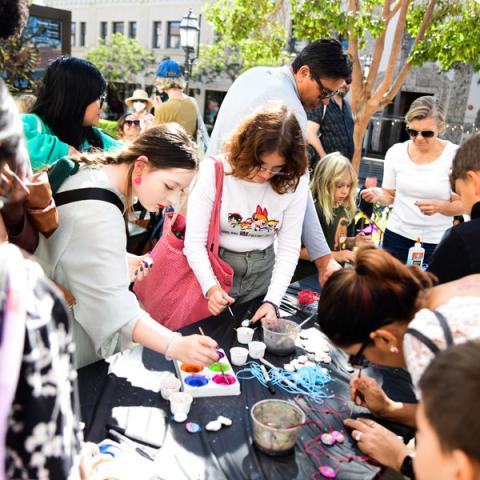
x=252 y=272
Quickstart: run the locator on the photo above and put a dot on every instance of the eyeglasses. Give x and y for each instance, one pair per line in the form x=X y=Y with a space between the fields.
x=101 y=100
x=132 y=122
x=273 y=173
x=324 y=92
x=358 y=359
x=425 y=134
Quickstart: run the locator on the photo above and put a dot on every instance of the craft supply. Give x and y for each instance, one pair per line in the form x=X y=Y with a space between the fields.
x=180 y=417
x=268 y=382
x=245 y=334
x=416 y=254
x=309 y=381
x=238 y=355
x=246 y=323
x=122 y=438
x=192 y=427
x=338 y=436
x=280 y=338
x=231 y=312
x=256 y=349
x=327 y=471
x=276 y=426
x=216 y=380
x=180 y=402
x=169 y=385
x=327 y=439
x=225 y=421
x=219 y=364
x=306 y=320
x=213 y=426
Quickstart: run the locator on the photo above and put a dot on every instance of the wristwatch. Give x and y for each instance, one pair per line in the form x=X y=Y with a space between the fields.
x=407 y=467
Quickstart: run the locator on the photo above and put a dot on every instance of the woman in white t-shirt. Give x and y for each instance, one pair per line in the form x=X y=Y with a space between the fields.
x=264 y=198
x=416 y=182
x=392 y=314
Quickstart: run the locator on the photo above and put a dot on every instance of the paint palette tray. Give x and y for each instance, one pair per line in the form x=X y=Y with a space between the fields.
x=209 y=381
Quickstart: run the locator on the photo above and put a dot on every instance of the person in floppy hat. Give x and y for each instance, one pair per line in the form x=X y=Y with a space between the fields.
x=141 y=104
x=179 y=107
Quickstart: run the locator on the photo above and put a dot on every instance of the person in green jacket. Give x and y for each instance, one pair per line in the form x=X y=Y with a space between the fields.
x=68 y=106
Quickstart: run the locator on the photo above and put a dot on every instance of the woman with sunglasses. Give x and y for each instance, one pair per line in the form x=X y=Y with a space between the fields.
x=68 y=106
x=416 y=183
x=128 y=127
x=394 y=315
x=264 y=198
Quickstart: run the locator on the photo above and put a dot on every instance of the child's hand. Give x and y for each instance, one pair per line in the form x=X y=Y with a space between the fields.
x=361 y=240
x=344 y=256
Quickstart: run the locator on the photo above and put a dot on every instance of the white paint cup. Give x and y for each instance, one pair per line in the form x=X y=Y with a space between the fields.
x=256 y=349
x=169 y=385
x=180 y=402
x=245 y=334
x=238 y=356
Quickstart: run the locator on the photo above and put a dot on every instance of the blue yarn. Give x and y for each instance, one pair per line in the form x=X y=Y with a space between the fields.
x=309 y=381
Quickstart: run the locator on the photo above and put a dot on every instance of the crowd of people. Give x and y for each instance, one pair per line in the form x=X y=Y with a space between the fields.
x=275 y=219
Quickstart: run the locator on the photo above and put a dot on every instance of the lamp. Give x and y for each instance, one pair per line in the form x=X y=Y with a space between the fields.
x=189 y=41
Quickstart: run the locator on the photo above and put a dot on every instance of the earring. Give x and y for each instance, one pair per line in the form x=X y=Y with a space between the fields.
x=394 y=350
x=137 y=180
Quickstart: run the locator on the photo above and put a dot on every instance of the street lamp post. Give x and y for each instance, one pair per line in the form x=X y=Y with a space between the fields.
x=189 y=41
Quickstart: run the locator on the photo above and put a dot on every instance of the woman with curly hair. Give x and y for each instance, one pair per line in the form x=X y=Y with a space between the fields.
x=264 y=198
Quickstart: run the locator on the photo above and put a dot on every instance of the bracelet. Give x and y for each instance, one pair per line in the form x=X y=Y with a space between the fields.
x=169 y=344
x=406 y=468
x=277 y=310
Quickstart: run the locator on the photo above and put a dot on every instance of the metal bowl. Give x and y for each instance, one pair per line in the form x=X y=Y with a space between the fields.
x=276 y=425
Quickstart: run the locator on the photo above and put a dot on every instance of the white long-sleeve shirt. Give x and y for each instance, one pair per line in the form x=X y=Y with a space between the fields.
x=253 y=215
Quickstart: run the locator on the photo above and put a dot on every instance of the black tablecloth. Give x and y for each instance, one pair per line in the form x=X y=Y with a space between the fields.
x=229 y=453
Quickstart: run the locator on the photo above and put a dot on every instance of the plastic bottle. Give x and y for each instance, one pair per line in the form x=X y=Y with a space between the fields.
x=416 y=254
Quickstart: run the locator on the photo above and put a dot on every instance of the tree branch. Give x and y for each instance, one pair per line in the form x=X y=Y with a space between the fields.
x=358 y=91
x=427 y=19
x=396 y=44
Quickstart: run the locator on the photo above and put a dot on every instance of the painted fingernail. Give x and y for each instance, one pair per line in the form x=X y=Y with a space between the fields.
x=135 y=273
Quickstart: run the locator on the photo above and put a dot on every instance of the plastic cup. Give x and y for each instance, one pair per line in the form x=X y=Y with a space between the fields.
x=256 y=349
x=169 y=385
x=280 y=337
x=245 y=334
x=238 y=356
x=276 y=425
x=180 y=402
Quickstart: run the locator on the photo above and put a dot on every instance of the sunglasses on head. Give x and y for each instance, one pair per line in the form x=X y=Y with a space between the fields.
x=425 y=133
x=132 y=122
x=101 y=100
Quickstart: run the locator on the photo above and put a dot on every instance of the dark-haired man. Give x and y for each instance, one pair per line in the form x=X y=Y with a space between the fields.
x=315 y=76
x=458 y=253
x=448 y=418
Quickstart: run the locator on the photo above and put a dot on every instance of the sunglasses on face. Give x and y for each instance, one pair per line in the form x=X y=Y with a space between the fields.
x=101 y=100
x=425 y=133
x=130 y=123
x=324 y=92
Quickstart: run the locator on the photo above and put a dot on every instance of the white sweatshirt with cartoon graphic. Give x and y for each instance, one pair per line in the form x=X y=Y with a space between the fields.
x=253 y=215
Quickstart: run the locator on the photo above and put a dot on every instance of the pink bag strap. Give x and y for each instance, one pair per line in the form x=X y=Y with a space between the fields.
x=214 y=228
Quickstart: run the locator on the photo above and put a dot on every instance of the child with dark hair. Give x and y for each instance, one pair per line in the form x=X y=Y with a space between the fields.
x=448 y=418
x=66 y=111
x=458 y=253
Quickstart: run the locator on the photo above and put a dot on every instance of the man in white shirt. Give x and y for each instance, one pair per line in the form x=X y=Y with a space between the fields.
x=315 y=75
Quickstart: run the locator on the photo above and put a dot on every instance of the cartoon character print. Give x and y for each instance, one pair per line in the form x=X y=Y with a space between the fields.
x=258 y=222
x=341 y=234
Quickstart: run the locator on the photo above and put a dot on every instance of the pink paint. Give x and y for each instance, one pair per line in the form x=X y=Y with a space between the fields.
x=327 y=472
x=223 y=379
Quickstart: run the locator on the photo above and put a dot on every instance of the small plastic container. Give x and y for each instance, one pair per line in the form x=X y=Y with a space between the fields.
x=180 y=402
x=280 y=337
x=169 y=385
x=256 y=349
x=276 y=425
x=245 y=335
x=238 y=356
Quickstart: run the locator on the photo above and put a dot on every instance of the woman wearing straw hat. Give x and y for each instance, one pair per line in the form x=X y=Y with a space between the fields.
x=141 y=105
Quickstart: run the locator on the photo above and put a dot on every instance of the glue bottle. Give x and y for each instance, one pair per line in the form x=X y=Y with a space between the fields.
x=416 y=254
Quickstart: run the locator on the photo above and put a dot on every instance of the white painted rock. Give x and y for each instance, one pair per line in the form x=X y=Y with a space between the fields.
x=302 y=358
x=289 y=367
x=245 y=323
x=213 y=426
x=224 y=421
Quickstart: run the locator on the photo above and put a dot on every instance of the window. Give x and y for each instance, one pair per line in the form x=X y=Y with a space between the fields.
x=157 y=35
x=132 y=29
x=103 y=30
x=118 y=27
x=173 y=35
x=74 y=34
x=83 y=33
